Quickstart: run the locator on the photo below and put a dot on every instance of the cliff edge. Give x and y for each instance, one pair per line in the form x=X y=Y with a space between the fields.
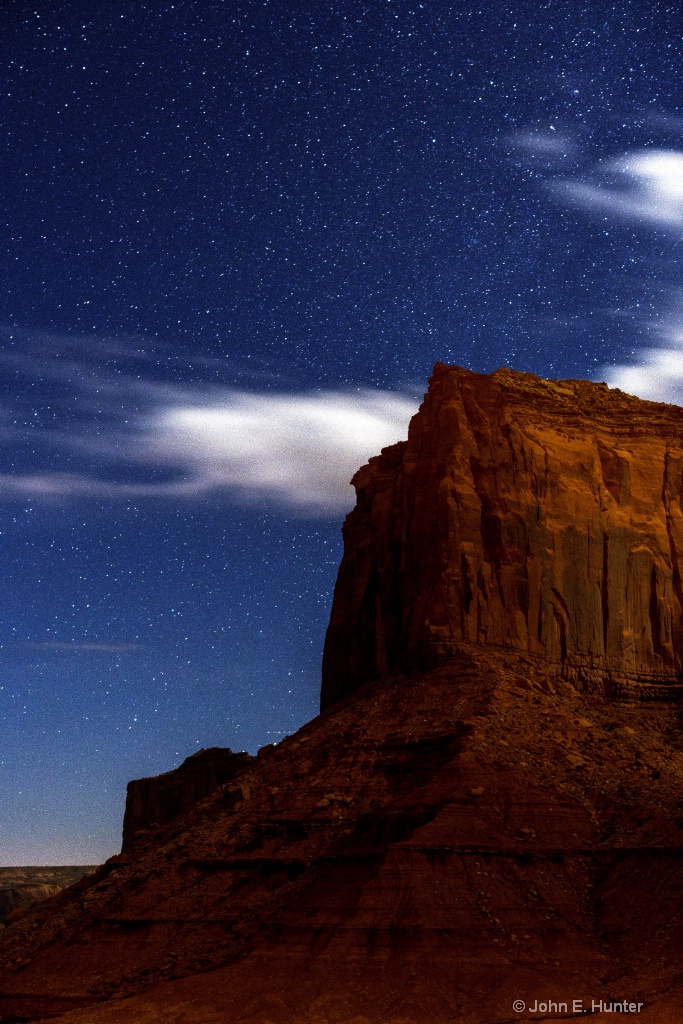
x=544 y=517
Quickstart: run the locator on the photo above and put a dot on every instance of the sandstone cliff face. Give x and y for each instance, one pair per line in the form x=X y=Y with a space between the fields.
x=163 y=798
x=544 y=517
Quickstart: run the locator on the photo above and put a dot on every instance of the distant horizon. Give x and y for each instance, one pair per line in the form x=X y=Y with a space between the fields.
x=46 y=867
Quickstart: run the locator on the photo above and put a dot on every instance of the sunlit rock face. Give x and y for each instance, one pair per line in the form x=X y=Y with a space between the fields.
x=541 y=516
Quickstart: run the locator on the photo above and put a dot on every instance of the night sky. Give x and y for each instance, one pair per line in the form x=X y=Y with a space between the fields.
x=235 y=239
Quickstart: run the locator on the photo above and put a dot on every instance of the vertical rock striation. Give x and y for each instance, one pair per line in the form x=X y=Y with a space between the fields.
x=541 y=516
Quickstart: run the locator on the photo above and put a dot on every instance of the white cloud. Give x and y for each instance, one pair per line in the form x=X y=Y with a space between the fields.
x=644 y=186
x=658 y=376
x=299 y=449
x=545 y=143
x=649 y=188
x=296 y=450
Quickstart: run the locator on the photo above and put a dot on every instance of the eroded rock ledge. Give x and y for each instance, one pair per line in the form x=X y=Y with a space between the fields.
x=160 y=799
x=540 y=516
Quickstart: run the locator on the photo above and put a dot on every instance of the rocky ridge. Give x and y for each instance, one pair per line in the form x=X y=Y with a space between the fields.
x=155 y=801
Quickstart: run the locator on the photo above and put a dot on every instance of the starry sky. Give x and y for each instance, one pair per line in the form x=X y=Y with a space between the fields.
x=235 y=239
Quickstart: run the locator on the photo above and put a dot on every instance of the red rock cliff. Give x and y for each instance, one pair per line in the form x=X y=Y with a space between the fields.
x=541 y=516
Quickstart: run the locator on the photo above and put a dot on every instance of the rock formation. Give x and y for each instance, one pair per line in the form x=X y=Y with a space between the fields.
x=486 y=811
x=163 y=798
x=540 y=516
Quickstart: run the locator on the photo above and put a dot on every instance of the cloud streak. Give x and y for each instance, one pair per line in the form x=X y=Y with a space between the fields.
x=300 y=450
x=657 y=375
x=545 y=143
x=84 y=646
x=644 y=186
x=128 y=436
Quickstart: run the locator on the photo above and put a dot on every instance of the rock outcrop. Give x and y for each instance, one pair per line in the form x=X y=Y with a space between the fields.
x=160 y=799
x=540 y=516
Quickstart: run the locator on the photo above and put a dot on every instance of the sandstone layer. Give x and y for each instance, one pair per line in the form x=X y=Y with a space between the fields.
x=540 y=516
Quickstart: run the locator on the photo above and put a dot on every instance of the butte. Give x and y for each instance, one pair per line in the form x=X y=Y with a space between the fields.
x=489 y=808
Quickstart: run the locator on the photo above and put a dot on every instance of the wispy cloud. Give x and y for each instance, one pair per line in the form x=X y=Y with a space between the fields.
x=130 y=435
x=301 y=449
x=645 y=186
x=641 y=187
x=657 y=371
x=545 y=143
x=84 y=646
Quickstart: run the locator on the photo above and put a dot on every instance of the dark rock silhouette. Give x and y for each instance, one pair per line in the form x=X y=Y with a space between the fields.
x=163 y=798
x=487 y=810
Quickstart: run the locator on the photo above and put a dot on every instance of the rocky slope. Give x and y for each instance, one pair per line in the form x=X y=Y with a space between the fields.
x=21 y=886
x=441 y=841
x=429 y=850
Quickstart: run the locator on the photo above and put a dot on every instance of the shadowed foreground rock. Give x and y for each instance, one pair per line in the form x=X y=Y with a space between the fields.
x=444 y=840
